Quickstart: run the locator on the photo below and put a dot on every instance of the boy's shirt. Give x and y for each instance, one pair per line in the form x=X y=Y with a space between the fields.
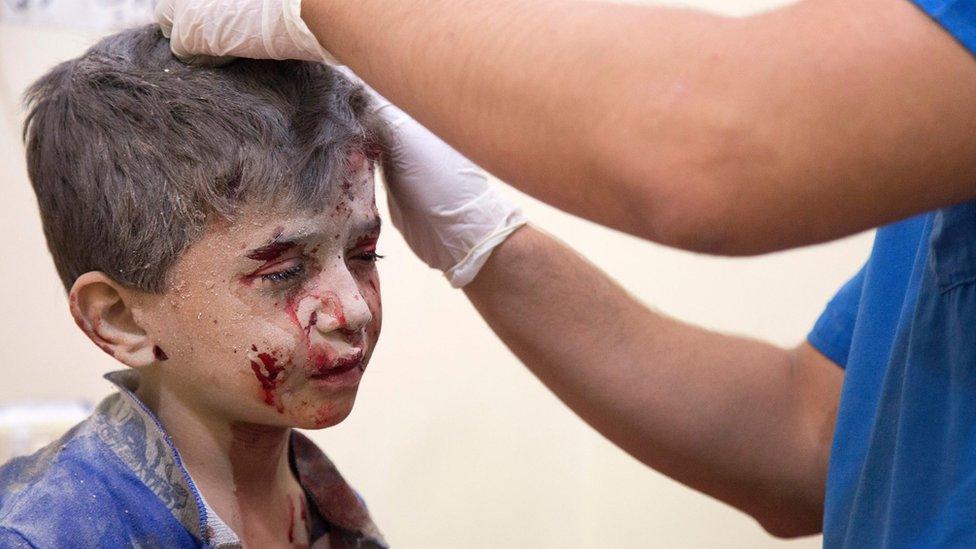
x=116 y=480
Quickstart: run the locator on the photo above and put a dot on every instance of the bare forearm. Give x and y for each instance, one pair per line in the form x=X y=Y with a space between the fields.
x=731 y=136
x=712 y=411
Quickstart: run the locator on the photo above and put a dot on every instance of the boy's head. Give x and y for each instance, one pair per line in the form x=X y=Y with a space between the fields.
x=215 y=228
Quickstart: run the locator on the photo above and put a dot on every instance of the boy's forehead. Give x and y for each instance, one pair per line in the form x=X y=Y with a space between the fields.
x=351 y=209
x=349 y=203
x=254 y=224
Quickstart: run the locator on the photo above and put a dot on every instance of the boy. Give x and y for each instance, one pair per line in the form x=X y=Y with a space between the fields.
x=216 y=230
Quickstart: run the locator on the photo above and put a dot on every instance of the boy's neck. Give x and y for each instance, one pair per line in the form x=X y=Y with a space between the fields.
x=242 y=470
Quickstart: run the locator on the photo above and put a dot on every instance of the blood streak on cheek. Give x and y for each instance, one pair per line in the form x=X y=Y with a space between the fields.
x=266 y=370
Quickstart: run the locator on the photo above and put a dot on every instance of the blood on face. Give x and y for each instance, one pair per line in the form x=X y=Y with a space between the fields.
x=268 y=368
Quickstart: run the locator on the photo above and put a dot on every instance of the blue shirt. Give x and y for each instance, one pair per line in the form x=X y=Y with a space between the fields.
x=116 y=480
x=903 y=463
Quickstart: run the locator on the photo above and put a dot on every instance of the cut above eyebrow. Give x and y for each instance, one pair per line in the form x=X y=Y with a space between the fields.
x=282 y=243
x=272 y=251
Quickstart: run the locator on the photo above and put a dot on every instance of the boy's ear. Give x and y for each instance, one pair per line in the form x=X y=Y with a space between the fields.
x=102 y=308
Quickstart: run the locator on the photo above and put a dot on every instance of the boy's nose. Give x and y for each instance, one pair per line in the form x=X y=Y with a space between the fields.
x=341 y=309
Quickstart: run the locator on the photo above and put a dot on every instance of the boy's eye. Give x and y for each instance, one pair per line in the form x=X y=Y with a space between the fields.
x=370 y=256
x=282 y=276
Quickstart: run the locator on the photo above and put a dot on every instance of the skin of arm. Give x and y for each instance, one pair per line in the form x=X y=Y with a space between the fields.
x=740 y=420
x=714 y=134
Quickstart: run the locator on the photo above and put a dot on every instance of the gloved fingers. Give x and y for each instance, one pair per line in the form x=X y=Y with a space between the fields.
x=208 y=31
x=164 y=16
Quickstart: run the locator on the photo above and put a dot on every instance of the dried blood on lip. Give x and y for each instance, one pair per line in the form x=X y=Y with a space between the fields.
x=339 y=366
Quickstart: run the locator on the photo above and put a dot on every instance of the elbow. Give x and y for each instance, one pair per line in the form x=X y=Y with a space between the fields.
x=724 y=216
x=785 y=514
x=693 y=217
x=719 y=193
x=792 y=525
x=707 y=200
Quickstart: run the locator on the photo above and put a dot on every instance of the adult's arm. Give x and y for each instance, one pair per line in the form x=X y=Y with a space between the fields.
x=742 y=421
x=716 y=134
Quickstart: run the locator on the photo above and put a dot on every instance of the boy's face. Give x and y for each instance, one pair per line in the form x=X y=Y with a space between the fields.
x=272 y=319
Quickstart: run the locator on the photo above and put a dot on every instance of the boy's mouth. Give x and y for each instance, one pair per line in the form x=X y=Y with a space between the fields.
x=331 y=369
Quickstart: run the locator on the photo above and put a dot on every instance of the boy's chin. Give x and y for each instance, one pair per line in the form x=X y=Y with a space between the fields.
x=320 y=423
x=323 y=414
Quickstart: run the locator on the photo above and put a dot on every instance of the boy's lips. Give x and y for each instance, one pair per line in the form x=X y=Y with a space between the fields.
x=324 y=368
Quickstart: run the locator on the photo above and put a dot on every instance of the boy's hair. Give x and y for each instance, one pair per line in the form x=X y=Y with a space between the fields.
x=131 y=153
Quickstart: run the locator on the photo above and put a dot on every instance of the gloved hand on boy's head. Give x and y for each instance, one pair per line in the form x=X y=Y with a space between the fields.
x=444 y=205
x=215 y=31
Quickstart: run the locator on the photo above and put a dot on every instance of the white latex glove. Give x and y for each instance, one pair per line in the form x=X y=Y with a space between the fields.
x=215 y=31
x=448 y=212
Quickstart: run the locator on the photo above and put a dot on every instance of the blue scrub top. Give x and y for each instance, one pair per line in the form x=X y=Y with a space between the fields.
x=903 y=463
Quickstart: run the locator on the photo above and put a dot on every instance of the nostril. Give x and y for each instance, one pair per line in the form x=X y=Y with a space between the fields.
x=354 y=338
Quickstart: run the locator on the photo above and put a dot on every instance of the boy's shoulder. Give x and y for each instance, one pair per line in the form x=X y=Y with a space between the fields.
x=78 y=491
x=333 y=497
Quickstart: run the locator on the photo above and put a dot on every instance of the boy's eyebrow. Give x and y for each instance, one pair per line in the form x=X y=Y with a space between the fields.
x=282 y=243
x=273 y=250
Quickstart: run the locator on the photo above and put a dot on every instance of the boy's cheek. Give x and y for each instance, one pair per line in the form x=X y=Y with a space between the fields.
x=370 y=290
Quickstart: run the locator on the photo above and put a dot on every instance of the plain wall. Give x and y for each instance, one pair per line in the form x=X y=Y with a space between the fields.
x=452 y=442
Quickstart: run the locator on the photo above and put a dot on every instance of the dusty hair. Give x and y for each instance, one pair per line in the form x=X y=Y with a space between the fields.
x=131 y=153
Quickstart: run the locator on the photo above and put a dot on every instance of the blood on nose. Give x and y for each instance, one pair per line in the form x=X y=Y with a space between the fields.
x=331 y=307
x=322 y=312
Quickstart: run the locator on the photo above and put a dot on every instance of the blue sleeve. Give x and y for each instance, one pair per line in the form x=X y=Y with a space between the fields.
x=834 y=329
x=956 y=16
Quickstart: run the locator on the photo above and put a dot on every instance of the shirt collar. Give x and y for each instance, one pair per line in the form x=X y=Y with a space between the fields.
x=132 y=431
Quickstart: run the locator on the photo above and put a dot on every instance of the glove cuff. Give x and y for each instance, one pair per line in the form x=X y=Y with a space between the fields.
x=468 y=268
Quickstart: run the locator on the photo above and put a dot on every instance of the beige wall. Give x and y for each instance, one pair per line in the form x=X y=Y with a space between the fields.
x=452 y=442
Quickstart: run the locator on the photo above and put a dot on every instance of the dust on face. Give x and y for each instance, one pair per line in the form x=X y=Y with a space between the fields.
x=272 y=318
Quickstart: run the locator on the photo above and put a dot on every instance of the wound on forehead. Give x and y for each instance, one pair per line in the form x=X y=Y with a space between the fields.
x=131 y=153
